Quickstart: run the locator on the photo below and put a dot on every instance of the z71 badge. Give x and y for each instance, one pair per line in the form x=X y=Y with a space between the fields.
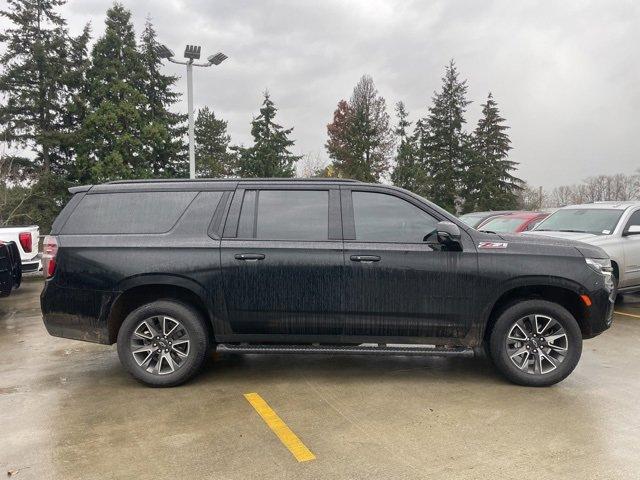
x=493 y=245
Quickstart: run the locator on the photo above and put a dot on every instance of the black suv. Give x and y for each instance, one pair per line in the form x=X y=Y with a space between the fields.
x=171 y=269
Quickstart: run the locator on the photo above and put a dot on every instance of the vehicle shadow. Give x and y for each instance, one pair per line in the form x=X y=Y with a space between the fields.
x=363 y=368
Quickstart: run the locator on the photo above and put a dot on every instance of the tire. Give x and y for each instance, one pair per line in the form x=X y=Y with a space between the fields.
x=170 y=357
x=549 y=365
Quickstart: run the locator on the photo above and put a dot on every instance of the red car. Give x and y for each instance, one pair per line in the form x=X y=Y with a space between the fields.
x=515 y=222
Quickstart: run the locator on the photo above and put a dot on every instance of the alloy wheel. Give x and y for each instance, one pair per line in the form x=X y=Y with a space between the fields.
x=537 y=344
x=160 y=345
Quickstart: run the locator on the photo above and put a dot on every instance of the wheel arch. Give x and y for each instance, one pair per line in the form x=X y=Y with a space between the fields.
x=616 y=269
x=558 y=290
x=138 y=291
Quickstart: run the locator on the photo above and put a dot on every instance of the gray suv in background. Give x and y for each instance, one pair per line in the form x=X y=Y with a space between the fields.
x=612 y=226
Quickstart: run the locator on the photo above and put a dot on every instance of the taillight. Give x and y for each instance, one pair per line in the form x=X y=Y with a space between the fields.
x=26 y=241
x=49 y=252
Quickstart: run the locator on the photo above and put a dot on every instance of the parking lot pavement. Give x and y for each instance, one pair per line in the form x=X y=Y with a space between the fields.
x=68 y=411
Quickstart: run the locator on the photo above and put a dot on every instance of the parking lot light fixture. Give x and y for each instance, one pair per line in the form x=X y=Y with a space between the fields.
x=191 y=53
x=164 y=51
x=217 y=59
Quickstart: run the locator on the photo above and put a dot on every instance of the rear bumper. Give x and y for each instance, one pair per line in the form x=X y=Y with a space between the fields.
x=32 y=266
x=75 y=313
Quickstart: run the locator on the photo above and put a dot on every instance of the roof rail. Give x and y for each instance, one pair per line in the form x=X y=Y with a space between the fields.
x=231 y=179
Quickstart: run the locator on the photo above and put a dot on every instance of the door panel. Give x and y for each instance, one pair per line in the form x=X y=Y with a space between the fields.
x=631 y=245
x=293 y=288
x=410 y=290
x=283 y=273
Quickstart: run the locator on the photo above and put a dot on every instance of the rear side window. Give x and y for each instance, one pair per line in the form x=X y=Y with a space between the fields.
x=380 y=217
x=134 y=212
x=286 y=215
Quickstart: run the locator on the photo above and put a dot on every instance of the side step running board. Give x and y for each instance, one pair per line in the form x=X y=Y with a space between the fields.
x=362 y=349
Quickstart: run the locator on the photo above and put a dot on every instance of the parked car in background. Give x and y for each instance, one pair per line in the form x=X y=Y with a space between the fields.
x=26 y=239
x=613 y=226
x=476 y=218
x=169 y=269
x=10 y=268
x=515 y=222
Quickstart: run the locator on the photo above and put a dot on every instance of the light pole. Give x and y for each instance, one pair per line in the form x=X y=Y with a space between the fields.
x=191 y=53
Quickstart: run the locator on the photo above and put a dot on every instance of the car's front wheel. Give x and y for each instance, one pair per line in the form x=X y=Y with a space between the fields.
x=536 y=343
x=163 y=343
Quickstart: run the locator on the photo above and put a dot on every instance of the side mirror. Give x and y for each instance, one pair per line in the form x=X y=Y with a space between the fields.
x=633 y=230
x=448 y=230
x=446 y=234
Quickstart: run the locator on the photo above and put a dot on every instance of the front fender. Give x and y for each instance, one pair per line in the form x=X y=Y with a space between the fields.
x=525 y=281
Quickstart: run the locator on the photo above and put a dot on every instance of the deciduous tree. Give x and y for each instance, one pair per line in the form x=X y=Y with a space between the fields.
x=360 y=137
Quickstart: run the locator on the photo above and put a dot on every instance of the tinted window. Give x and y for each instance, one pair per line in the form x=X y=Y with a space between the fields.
x=247 y=215
x=385 y=218
x=136 y=212
x=293 y=215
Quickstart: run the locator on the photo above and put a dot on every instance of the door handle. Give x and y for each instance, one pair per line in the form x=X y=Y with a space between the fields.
x=365 y=258
x=249 y=257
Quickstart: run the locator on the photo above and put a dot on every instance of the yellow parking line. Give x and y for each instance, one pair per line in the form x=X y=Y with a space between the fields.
x=282 y=431
x=627 y=314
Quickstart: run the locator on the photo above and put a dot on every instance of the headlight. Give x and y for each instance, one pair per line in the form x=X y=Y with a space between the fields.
x=600 y=265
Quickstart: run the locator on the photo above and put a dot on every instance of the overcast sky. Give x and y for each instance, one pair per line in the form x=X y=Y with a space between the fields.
x=566 y=74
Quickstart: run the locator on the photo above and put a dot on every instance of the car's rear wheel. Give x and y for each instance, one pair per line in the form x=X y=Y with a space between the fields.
x=163 y=343
x=536 y=343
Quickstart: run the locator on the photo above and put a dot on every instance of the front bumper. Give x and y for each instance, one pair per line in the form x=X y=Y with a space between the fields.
x=599 y=315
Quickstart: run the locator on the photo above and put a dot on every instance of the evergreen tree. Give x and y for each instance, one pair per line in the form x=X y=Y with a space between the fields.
x=446 y=154
x=270 y=155
x=492 y=185
x=360 y=137
x=164 y=130
x=31 y=81
x=213 y=158
x=114 y=134
x=408 y=172
x=75 y=98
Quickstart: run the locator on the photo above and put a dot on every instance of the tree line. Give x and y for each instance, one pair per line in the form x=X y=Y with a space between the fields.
x=601 y=188
x=93 y=110
x=459 y=170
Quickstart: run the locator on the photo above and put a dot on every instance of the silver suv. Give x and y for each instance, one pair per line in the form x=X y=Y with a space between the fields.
x=613 y=226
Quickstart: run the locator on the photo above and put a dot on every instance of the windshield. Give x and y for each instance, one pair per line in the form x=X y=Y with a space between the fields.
x=599 y=221
x=471 y=219
x=502 y=225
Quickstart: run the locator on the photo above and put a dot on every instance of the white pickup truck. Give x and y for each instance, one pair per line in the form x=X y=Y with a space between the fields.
x=26 y=239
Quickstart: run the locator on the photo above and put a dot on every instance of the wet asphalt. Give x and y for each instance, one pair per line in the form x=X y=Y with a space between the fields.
x=69 y=411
